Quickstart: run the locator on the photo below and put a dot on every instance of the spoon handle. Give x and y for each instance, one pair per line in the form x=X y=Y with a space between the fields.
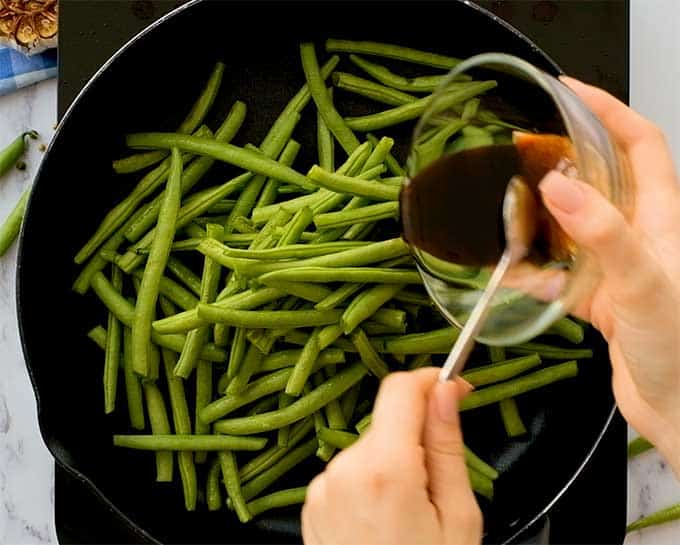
x=456 y=359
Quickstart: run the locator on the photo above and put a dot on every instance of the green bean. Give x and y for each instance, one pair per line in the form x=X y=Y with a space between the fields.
x=160 y=249
x=392 y=52
x=638 y=446
x=236 y=354
x=249 y=366
x=512 y=420
x=185 y=274
x=98 y=335
x=182 y=297
x=213 y=493
x=470 y=109
x=349 y=401
x=567 y=329
x=369 y=89
x=283 y=434
x=112 y=358
x=433 y=148
x=374 y=328
x=227 y=153
x=242 y=225
x=369 y=357
x=335 y=298
x=420 y=84
x=352 y=186
x=438 y=341
x=500 y=371
x=337 y=438
x=10 y=228
x=158 y=418
x=233 y=485
x=13 y=152
x=182 y=425
x=269 y=476
x=362 y=215
x=364 y=305
x=412 y=110
x=223 y=206
x=275 y=500
x=197 y=338
x=320 y=95
x=660 y=517
x=188 y=320
x=392 y=164
x=271 y=187
x=271 y=456
x=334 y=415
x=413 y=298
x=189 y=442
x=288 y=358
x=551 y=352
x=475 y=462
x=138 y=161
x=329 y=334
x=324 y=451
x=305 y=406
x=267 y=319
x=295 y=227
x=515 y=387
x=480 y=483
x=133 y=386
x=204 y=387
x=262 y=406
x=263 y=214
x=204 y=102
x=324 y=142
x=363 y=424
x=303 y=367
x=186 y=214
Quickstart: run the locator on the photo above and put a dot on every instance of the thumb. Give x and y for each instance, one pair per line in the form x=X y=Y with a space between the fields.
x=600 y=229
x=444 y=453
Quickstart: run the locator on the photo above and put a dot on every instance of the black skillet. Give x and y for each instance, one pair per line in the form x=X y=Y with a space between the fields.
x=146 y=86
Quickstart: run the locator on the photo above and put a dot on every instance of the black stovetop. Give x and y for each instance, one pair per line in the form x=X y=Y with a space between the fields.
x=587 y=38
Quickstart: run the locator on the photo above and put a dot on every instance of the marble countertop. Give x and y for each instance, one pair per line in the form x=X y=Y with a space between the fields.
x=26 y=468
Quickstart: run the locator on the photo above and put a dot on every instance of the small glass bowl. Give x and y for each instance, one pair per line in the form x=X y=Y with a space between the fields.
x=534 y=101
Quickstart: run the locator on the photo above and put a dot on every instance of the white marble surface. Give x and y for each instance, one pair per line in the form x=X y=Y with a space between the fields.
x=26 y=469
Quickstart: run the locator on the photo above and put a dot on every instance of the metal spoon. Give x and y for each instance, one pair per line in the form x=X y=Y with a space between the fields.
x=518 y=214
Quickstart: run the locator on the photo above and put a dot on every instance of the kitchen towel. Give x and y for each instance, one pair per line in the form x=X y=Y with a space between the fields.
x=18 y=70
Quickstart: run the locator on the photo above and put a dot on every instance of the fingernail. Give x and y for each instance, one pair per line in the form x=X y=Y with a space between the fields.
x=562 y=192
x=446 y=399
x=464 y=387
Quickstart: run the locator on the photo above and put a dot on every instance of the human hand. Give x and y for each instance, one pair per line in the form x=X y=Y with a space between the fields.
x=405 y=480
x=636 y=305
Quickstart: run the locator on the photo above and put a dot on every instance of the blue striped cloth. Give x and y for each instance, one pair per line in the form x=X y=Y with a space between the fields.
x=18 y=70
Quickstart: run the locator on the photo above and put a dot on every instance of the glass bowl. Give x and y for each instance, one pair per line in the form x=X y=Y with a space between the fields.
x=526 y=100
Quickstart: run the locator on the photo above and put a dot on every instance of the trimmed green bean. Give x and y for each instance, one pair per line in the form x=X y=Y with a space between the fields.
x=349 y=401
x=480 y=483
x=272 y=474
x=334 y=415
x=288 y=358
x=305 y=406
x=369 y=357
x=568 y=329
x=337 y=297
x=370 y=89
x=338 y=438
x=275 y=500
x=213 y=490
x=551 y=352
x=352 y=186
x=270 y=190
x=303 y=367
x=515 y=387
x=324 y=142
x=189 y=442
x=138 y=161
x=267 y=318
x=502 y=370
x=200 y=108
x=638 y=446
x=262 y=406
x=227 y=153
x=475 y=462
x=420 y=84
x=98 y=335
x=185 y=274
x=10 y=228
x=113 y=349
x=364 y=305
x=320 y=95
x=392 y=164
x=391 y=51
x=412 y=110
x=233 y=485
x=204 y=388
x=249 y=366
x=13 y=152
x=133 y=386
x=182 y=297
x=348 y=218
x=660 y=517
x=160 y=425
x=363 y=424
x=438 y=341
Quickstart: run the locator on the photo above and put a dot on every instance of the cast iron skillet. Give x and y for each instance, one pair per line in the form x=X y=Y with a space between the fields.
x=147 y=86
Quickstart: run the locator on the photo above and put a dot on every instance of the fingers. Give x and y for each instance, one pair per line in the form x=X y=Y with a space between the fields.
x=599 y=228
x=399 y=413
x=641 y=140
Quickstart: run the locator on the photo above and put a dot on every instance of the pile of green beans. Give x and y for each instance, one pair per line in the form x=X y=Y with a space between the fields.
x=276 y=301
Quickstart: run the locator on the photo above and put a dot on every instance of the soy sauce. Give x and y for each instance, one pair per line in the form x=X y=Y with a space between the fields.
x=453 y=208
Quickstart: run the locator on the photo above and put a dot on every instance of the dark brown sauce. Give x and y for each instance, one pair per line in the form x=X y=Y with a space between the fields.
x=453 y=208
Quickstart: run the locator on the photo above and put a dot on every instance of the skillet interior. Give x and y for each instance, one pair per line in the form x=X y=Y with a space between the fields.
x=148 y=87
